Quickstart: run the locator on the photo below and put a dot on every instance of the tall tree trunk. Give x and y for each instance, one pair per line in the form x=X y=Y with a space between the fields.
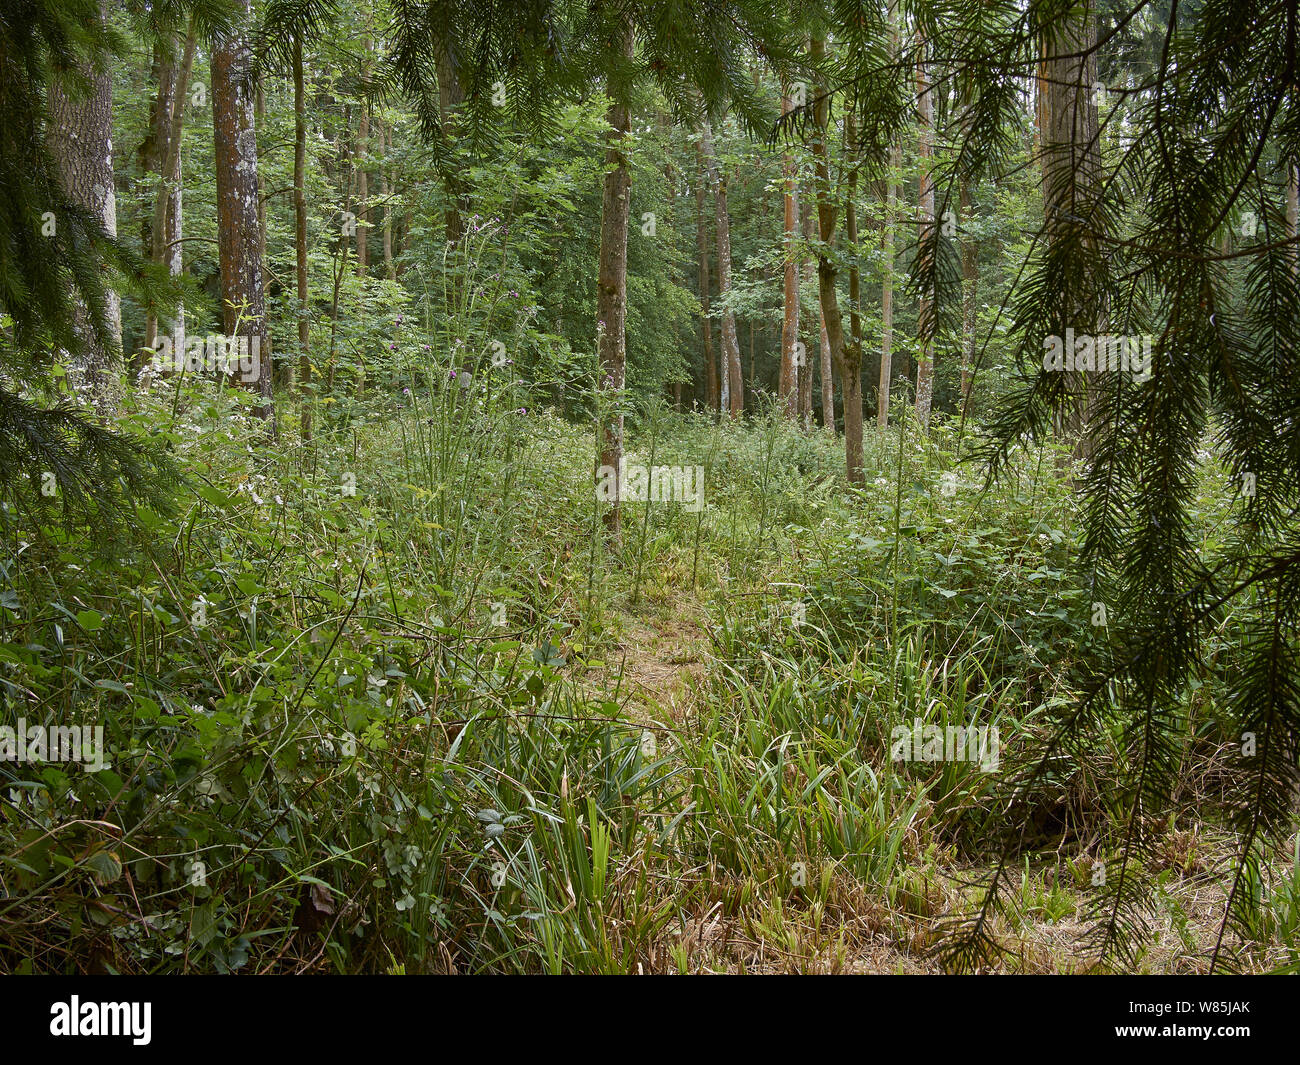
x=670 y=190
x=611 y=284
x=733 y=389
x=386 y=191
x=847 y=358
x=1072 y=184
x=300 y=234
x=702 y=239
x=851 y=230
x=887 y=288
x=450 y=97
x=80 y=139
x=787 y=383
x=282 y=372
x=172 y=247
x=153 y=160
x=363 y=192
x=805 y=364
x=969 y=285
x=243 y=298
x=887 y=250
x=926 y=306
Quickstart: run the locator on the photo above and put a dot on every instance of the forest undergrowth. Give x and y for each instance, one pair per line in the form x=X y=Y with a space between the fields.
x=392 y=701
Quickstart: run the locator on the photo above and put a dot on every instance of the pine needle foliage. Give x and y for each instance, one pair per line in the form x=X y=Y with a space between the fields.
x=1201 y=127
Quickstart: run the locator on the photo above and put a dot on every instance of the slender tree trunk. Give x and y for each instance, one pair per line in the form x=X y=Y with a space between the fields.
x=1042 y=101
x=926 y=309
x=172 y=246
x=386 y=191
x=611 y=285
x=733 y=389
x=80 y=139
x=153 y=160
x=787 y=384
x=848 y=359
x=887 y=255
x=887 y=289
x=828 y=382
x=702 y=238
x=1293 y=209
x=343 y=151
x=805 y=364
x=969 y=285
x=363 y=192
x=300 y=235
x=851 y=230
x=243 y=298
x=282 y=372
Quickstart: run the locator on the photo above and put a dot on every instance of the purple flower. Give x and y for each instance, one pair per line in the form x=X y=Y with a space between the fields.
x=523 y=410
x=392 y=347
x=425 y=346
x=453 y=375
x=406 y=391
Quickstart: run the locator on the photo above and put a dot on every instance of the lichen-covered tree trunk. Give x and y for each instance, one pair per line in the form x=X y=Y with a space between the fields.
x=925 y=309
x=787 y=383
x=611 y=288
x=243 y=299
x=80 y=139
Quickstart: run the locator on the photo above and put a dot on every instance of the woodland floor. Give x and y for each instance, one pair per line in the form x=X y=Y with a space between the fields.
x=666 y=651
